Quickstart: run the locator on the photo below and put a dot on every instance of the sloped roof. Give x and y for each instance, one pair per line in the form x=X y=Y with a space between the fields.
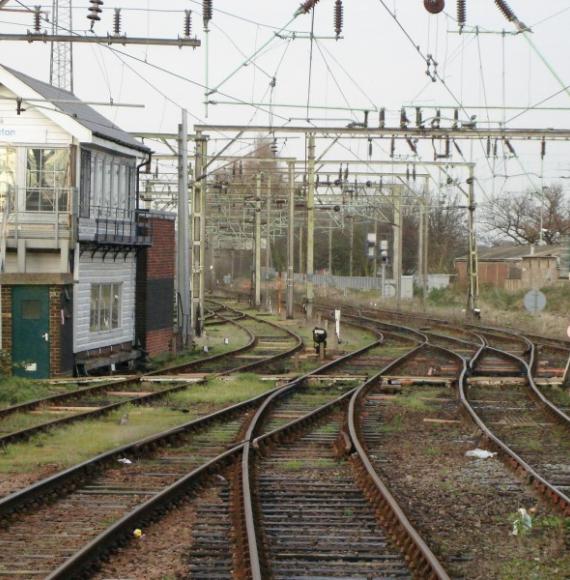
x=515 y=253
x=85 y=115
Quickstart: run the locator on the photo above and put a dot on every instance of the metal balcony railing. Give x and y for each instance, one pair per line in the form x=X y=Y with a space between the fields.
x=121 y=227
x=36 y=213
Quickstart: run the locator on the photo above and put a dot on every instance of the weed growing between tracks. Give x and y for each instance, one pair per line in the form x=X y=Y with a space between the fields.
x=80 y=441
x=22 y=463
x=463 y=507
x=15 y=390
x=213 y=338
x=222 y=390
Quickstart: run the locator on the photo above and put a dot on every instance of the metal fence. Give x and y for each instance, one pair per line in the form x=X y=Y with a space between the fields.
x=361 y=283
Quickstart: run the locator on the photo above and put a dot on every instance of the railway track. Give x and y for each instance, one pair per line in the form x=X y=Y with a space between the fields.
x=534 y=429
x=267 y=346
x=91 y=501
x=226 y=509
x=415 y=437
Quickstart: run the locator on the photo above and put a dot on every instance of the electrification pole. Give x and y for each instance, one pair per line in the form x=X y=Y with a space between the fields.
x=473 y=293
x=311 y=178
x=258 y=241
x=183 y=277
x=291 y=242
x=268 y=246
x=198 y=234
x=61 y=55
x=398 y=235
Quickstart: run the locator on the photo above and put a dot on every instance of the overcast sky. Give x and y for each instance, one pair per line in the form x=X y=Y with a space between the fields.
x=373 y=65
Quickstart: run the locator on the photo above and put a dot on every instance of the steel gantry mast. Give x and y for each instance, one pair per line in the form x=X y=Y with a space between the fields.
x=61 y=57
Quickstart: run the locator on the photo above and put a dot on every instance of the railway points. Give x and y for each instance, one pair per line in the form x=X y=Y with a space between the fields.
x=291 y=305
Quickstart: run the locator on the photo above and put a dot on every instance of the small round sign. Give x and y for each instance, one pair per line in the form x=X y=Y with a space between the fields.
x=534 y=301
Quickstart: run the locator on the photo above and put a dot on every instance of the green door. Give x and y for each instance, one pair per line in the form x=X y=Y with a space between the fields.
x=30 y=331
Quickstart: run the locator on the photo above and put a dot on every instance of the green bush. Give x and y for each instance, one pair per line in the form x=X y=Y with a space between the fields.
x=445 y=297
x=14 y=390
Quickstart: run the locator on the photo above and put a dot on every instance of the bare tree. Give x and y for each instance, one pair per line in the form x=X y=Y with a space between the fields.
x=518 y=217
x=447 y=233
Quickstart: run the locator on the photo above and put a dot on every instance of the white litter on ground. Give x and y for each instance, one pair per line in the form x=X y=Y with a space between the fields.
x=480 y=453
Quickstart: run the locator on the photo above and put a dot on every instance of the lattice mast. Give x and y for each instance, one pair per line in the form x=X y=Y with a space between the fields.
x=61 y=61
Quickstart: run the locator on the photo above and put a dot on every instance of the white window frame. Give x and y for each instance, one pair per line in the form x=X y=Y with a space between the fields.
x=97 y=323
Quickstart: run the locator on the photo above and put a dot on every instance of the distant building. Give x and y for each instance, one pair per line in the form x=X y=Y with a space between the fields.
x=515 y=267
x=71 y=232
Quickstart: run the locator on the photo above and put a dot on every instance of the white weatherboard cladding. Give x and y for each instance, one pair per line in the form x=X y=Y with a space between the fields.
x=31 y=127
x=96 y=271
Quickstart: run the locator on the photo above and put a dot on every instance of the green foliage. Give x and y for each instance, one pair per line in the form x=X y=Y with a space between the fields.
x=15 y=390
x=501 y=299
x=445 y=297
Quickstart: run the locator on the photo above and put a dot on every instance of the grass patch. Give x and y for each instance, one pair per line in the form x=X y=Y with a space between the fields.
x=71 y=445
x=16 y=390
x=395 y=425
x=433 y=450
x=213 y=338
x=19 y=421
x=223 y=390
x=555 y=523
x=414 y=400
x=298 y=464
x=518 y=568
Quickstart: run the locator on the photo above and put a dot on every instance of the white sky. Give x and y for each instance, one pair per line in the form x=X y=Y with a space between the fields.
x=386 y=69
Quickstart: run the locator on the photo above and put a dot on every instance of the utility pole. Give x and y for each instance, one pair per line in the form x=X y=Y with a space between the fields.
x=257 y=266
x=397 y=259
x=183 y=278
x=472 y=269
x=311 y=177
x=422 y=246
x=61 y=54
x=376 y=247
x=331 y=223
x=291 y=242
x=351 y=246
x=268 y=246
x=199 y=234
x=301 y=230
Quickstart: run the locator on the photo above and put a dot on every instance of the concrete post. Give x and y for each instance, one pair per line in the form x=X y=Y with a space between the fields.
x=257 y=266
x=183 y=262
x=291 y=242
x=311 y=178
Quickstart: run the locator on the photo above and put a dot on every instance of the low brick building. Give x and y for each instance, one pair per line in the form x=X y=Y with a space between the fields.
x=514 y=268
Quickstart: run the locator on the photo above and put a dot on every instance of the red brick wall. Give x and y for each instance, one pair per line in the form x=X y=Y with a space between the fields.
x=55 y=330
x=156 y=270
x=159 y=341
x=6 y=330
x=161 y=255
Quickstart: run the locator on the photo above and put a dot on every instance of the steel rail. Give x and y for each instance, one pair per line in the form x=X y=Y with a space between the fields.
x=559 y=499
x=558 y=413
x=26 y=433
x=122 y=529
x=12 y=502
x=73 y=395
x=255 y=563
x=421 y=559
x=78 y=565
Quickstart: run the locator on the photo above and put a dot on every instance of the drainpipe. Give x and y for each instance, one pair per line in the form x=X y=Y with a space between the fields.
x=137 y=187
